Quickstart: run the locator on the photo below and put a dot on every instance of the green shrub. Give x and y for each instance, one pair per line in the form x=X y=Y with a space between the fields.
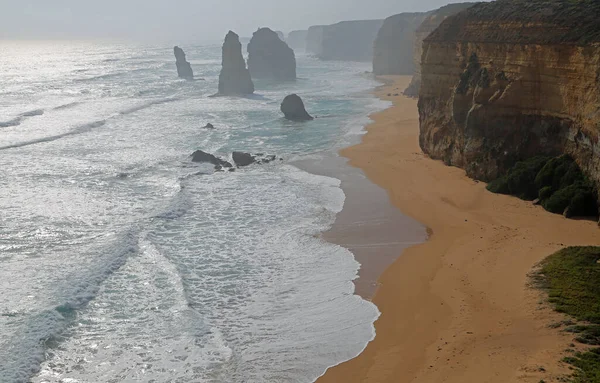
x=558 y=182
x=520 y=180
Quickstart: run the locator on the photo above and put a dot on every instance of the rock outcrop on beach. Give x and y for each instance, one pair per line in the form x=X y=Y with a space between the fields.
x=297 y=40
x=314 y=39
x=201 y=156
x=293 y=108
x=508 y=80
x=430 y=23
x=394 y=45
x=349 y=40
x=270 y=58
x=184 y=69
x=234 y=79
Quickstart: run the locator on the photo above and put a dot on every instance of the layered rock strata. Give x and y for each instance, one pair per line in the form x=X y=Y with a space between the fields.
x=507 y=80
x=431 y=21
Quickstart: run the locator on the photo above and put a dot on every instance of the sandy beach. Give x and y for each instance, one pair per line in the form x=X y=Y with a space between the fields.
x=458 y=307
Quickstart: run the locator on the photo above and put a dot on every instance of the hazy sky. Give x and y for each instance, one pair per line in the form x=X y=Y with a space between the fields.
x=184 y=20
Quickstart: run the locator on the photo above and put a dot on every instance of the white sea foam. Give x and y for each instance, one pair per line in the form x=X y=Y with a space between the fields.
x=137 y=264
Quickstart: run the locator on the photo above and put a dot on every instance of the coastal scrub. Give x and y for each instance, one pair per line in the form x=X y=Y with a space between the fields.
x=571 y=277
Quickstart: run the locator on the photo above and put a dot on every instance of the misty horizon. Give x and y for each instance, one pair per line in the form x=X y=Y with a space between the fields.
x=185 y=20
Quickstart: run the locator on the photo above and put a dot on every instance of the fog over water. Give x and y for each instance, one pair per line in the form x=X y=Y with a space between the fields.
x=183 y=20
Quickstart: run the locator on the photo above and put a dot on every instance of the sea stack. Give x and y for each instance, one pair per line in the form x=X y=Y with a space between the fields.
x=393 y=50
x=293 y=109
x=184 y=69
x=505 y=81
x=234 y=79
x=269 y=57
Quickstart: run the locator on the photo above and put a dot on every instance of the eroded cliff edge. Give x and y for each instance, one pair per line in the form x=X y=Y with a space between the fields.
x=430 y=22
x=508 y=80
x=393 y=50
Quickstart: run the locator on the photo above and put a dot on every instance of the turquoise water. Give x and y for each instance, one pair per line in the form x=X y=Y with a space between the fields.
x=123 y=261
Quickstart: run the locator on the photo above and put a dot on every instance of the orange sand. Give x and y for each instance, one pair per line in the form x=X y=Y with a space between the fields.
x=458 y=307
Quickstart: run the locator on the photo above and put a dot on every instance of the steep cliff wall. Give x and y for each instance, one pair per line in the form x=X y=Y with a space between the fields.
x=429 y=24
x=394 y=45
x=314 y=39
x=507 y=80
x=297 y=40
x=349 y=40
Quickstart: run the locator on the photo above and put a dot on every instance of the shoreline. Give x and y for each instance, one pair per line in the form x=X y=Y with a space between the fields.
x=458 y=307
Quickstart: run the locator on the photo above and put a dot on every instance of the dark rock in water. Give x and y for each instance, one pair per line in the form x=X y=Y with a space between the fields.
x=243 y=159
x=200 y=156
x=184 y=69
x=293 y=108
x=270 y=57
x=234 y=79
x=208 y=126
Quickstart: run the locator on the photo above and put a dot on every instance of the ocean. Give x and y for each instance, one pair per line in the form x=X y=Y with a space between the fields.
x=123 y=261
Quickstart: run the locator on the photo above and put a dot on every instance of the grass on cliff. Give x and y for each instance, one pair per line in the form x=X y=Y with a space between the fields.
x=571 y=277
x=558 y=183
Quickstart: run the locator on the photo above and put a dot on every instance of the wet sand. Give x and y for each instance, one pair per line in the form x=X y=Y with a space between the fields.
x=458 y=307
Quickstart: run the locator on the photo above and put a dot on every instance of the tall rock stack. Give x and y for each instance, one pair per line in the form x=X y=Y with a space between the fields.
x=184 y=69
x=429 y=24
x=508 y=80
x=393 y=50
x=270 y=58
x=234 y=78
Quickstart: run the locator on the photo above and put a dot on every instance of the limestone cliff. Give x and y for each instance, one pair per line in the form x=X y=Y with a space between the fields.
x=234 y=78
x=297 y=40
x=314 y=39
x=429 y=24
x=349 y=40
x=507 y=80
x=393 y=50
x=269 y=57
x=184 y=69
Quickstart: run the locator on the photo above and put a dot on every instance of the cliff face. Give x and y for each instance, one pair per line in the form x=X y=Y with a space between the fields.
x=234 y=78
x=314 y=39
x=393 y=50
x=507 y=80
x=349 y=40
x=429 y=24
x=184 y=69
x=297 y=40
x=269 y=57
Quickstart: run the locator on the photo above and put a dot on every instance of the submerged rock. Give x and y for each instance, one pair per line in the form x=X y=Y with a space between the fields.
x=200 y=156
x=293 y=108
x=270 y=57
x=235 y=77
x=208 y=126
x=184 y=69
